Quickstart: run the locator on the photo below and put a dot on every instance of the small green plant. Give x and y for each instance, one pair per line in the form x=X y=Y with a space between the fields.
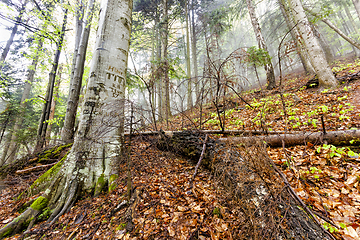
x=217 y=212
x=329 y=227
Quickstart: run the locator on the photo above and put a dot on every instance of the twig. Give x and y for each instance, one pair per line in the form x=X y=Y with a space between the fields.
x=37 y=168
x=323 y=124
x=199 y=162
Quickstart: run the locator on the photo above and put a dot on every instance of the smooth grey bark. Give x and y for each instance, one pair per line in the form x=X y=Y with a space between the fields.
x=336 y=29
x=79 y=13
x=351 y=19
x=317 y=57
x=13 y=32
x=293 y=31
x=49 y=93
x=94 y=159
x=13 y=147
x=67 y=133
x=270 y=77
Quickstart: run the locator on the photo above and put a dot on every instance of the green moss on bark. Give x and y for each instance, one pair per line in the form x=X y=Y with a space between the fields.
x=101 y=182
x=40 y=203
x=112 y=182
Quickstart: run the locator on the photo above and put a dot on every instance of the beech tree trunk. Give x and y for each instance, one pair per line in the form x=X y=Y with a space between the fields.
x=317 y=57
x=93 y=161
x=294 y=34
x=269 y=207
x=67 y=134
x=270 y=77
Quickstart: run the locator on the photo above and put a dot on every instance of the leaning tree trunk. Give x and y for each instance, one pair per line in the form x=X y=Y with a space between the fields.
x=270 y=76
x=67 y=134
x=49 y=93
x=317 y=58
x=336 y=29
x=269 y=208
x=93 y=161
x=13 y=33
x=357 y=7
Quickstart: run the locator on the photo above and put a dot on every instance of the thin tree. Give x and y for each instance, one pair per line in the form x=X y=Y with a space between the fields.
x=93 y=161
x=270 y=76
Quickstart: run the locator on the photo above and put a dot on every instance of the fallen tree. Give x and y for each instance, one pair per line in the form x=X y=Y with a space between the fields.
x=335 y=138
x=314 y=82
x=269 y=207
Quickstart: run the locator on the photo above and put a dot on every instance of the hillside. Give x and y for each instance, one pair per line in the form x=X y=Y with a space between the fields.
x=325 y=177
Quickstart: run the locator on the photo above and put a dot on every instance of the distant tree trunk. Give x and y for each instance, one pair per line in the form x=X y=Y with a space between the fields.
x=350 y=17
x=13 y=32
x=317 y=57
x=67 y=133
x=357 y=7
x=13 y=147
x=270 y=77
x=49 y=93
x=79 y=16
x=324 y=45
x=194 y=52
x=188 y=65
x=52 y=109
x=94 y=159
x=165 y=63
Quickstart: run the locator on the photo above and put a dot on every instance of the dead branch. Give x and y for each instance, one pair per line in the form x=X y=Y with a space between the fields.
x=33 y=169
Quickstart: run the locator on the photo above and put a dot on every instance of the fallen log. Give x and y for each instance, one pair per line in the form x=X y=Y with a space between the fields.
x=268 y=209
x=33 y=169
x=225 y=132
x=335 y=138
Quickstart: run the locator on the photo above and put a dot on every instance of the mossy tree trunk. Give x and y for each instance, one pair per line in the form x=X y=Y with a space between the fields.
x=93 y=162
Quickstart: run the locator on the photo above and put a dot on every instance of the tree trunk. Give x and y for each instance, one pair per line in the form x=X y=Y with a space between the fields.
x=13 y=33
x=294 y=34
x=67 y=134
x=357 y=7
x=270 y=77
x=93 y=161
x=336 y=29
x=269 y=208
x=351 y=19
x=52 y=109
x=188 y=65
x=317 y=58
x=165 y=98
x=49 y=93
x=13 y=147
x=194 y=53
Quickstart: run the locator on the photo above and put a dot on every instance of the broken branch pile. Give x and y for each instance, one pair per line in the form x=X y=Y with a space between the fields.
x=268 y=209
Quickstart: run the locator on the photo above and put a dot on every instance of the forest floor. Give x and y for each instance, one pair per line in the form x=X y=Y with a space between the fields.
x=325 y=177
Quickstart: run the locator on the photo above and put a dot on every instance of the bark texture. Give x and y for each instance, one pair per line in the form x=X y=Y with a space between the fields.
x=269 y=208
x=317 y=57
x=92 y=163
